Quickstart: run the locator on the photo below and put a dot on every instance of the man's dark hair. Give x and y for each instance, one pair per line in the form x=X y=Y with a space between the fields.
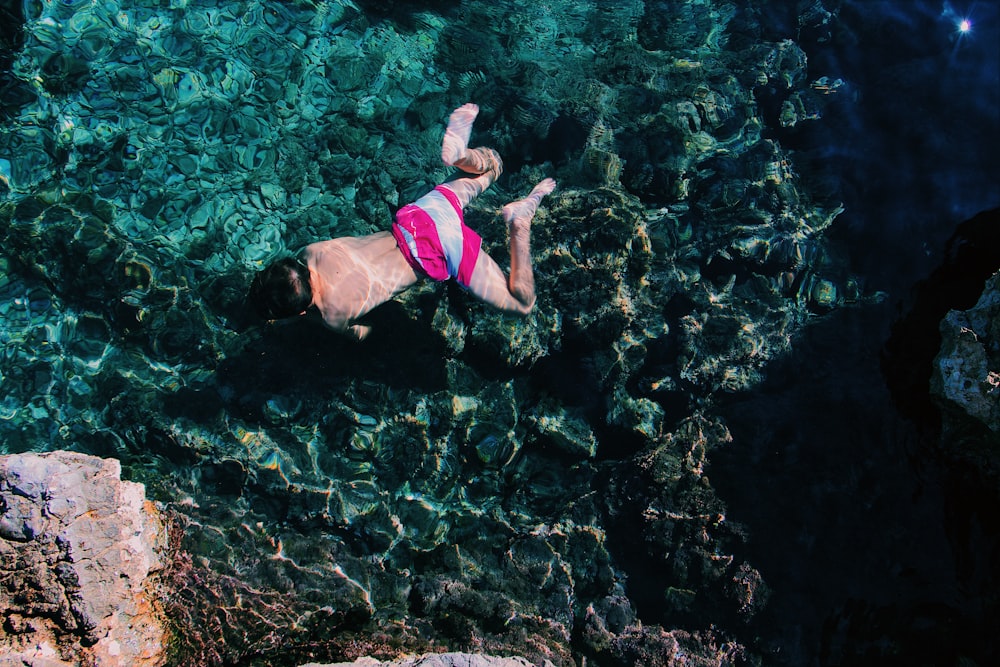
x=282 y=289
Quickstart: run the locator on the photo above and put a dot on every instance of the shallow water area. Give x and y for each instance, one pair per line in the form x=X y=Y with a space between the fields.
x=741 y=191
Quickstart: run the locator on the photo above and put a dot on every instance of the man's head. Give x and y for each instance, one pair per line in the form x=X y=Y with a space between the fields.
x=282 y=289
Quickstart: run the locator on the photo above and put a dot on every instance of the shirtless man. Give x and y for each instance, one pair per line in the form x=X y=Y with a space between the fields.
x=344 y=278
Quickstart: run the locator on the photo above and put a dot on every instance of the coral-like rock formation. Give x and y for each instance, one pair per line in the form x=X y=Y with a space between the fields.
x=77 y=545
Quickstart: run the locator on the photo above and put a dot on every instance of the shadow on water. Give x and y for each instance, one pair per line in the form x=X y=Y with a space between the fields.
x=300 y=357
x=404 y=13
x=13 y=91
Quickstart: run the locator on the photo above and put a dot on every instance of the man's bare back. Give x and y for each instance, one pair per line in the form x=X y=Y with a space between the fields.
x=352 y=275
x=347 y=277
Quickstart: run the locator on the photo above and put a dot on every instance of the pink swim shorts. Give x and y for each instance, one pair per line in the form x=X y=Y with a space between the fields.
x=432 y=236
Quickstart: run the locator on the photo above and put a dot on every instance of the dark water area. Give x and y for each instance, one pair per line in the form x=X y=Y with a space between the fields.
x=821 y=472
x=908 y=151
x=877 y=539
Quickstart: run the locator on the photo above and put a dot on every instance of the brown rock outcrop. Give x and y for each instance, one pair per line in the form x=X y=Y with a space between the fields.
x=434 y=660
x=77 y=546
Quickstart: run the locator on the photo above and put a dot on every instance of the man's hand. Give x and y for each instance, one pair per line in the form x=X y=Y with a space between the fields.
x=358 y=331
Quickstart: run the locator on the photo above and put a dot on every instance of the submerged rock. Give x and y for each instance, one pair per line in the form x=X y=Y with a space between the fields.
x=79 y=546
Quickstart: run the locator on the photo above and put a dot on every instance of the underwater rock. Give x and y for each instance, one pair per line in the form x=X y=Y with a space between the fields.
x=652 y=645
x=638 y=415
x=79 y=547
x=808 y=104
x=966 y=372
x=564 y=429
x=679 y=531
x=62 y=73
x=786 y=64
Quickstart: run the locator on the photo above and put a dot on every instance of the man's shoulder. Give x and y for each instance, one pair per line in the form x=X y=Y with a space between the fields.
x=319 y=247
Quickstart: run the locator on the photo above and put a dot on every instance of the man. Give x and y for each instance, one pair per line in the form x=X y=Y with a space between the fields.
x=344 y=278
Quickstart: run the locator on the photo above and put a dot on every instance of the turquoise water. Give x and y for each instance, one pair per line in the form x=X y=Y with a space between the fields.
x=734 y=178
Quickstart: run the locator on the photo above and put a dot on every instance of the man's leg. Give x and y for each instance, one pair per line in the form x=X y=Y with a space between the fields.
x=455 y=150
x=484 y=163
x=468 y=188
x=516 y=293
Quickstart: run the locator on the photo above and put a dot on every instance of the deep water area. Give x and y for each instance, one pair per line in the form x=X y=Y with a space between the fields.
x=711 y=442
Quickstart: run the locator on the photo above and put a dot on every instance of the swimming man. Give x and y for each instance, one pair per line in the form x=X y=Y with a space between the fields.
x=346 y=277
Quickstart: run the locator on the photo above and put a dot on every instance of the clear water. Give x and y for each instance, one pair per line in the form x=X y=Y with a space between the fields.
x=747 y=192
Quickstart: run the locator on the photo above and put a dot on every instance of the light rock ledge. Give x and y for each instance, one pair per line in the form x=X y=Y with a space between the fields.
x=77 y=545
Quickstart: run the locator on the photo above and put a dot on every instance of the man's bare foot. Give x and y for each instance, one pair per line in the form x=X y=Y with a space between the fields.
x=456 y=136
x=481 y=160
x=524 y=209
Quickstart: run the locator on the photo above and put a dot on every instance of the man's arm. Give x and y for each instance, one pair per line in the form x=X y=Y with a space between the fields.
x=514 y=293
x=357 y=331
x=348 y=328
x=491 y=286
